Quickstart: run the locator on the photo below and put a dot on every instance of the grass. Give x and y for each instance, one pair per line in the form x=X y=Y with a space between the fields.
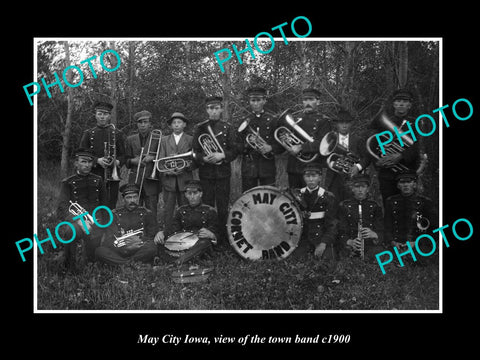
x=235 y=284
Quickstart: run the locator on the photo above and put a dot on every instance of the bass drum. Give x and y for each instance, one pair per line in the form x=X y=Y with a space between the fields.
x=264 y=223
x=178 y=243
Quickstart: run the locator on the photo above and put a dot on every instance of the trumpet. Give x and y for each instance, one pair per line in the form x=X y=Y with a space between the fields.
x=391 y=147
x=122 y=240
x=175 y=162
x=76 y=209
x=287 y=138
x=154 y=135
x=209 y=143
x=254 y=140
x=111 y=172
x=339 y=158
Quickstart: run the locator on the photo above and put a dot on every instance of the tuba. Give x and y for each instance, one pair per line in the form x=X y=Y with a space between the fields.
x=209 y=143
x=339 y=158
x=297 y=136
x=390 y=148
x=254 y=140
x=76 y=209
x=175 y=162
x=111 y=172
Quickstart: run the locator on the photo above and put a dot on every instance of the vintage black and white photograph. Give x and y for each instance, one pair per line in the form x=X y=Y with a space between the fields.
x=226 y=175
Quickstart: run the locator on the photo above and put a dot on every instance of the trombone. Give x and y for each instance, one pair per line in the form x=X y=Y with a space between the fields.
x=154 y=135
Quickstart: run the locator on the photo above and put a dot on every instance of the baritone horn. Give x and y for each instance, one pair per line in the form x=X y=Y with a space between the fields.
x=76 y=209
x=297 y=136
x=339 y=158
x=254 y=140
x=175 y=162
x=209 y=143
x=390 y=148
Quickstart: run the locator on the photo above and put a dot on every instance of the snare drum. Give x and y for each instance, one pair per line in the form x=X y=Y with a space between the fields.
x=264 y=223
x=178 y=243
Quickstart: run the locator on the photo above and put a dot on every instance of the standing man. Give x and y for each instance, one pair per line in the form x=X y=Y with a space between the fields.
x=409 y=157
x=173 y=182
x=316 y=126
x=102 y=140
x=129 y=218
x=150 y=188
x=258 y=165
x=87 y=190
x=214 y=165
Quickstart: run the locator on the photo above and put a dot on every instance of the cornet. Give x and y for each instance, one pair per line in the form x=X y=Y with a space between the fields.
x=76 y=209
x=422 y=222
x=254 y=140
x=339 y=158
x=175 y=162
x=287 y=137
x=210 y=144
x=122 y=240
x=111 y=172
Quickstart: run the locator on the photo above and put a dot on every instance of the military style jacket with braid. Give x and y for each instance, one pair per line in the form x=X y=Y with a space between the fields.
x=316 y=126
x=255 y=164
x=193 y=218
x=125 y=220
x=228 y=139
x=95 y=139
x=348 y=217
x=401 y=217
x=87 y=190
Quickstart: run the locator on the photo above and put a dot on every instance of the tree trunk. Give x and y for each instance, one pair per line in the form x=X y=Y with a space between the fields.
x=113 y=86
x=402 y=64
x=131 y=73
x=68 y=123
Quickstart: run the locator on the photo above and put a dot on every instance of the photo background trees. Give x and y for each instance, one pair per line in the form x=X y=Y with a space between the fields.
x=167 y=76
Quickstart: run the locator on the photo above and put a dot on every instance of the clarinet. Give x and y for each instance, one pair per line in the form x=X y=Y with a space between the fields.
x=359 y=233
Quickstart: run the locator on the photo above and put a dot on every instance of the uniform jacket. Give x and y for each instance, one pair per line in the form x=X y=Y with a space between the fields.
x=95 y=138
x=133 y=147
x=253 y=163
x=348 y=216
x=87 y=190
x=400 y=217
x=124 y=220
x=316 y=126
x=169 y=148
x=410 y=154
x=228 y=140
x=188 y=218
x=322 y=230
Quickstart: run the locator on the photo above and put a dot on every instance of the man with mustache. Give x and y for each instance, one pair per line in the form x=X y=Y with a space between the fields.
x=316 y=126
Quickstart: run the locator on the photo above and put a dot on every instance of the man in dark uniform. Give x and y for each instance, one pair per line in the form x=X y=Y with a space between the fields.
x=320 y=209
x=409 y=157
x=258 y=166
x=101 y=138
x=214 y=168
x=359 y=213
x=150 y=189
x=406 y=214
x=88 y=190
x=314 y=125
x=350 y=143
x=194 y=217
x=129 y=218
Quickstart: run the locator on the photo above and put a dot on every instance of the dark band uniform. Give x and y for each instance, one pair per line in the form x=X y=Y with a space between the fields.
x=89 y=192
x=123 y=221
x=372 y=217
x=95 y=139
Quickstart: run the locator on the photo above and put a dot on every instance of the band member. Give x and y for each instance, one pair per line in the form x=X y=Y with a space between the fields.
x=173 y=182
x=258 y=165
x=320 y=225
x=130 y=217
x=409 y=157
x=316 y=126
x=194 y=217
x=407 y=215
x=336 y=182
x=88 y=190
x=360 y=228
x=104 y=139
x=140 y=174
x=214 y=167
